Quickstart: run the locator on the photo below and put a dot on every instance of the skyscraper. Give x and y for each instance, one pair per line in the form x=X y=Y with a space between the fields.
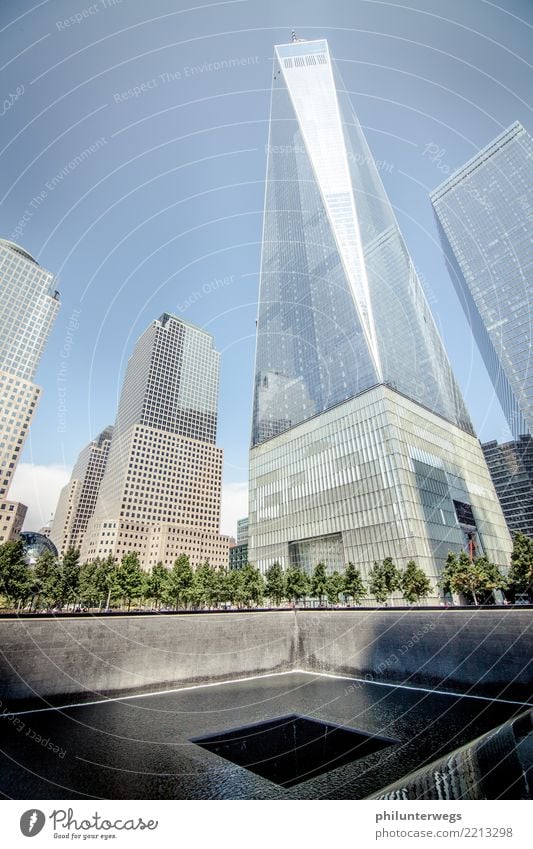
x=161 y=490
x=511 y=469
x=29 y=304
x=77 y=499
x=361 y=444
x=485 y=218
x=242 y=530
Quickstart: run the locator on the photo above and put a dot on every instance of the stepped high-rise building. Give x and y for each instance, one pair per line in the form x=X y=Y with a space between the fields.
x=361 y=444
x=485 y=218
x=511 y=468
x=161 y=491
x=77 y=499
x=29 y=304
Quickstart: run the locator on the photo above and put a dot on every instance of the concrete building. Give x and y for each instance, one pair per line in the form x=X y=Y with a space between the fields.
x=511 y=469
x=484 y=215
x=161 y=491
x=29 y=304
x=378 y=458
x=77 y=499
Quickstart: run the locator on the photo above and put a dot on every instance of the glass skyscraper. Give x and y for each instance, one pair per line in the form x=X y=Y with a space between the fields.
x=511 y=469
x=485 y=217
x=341 y=308
x=29 y=304
x=361 y=444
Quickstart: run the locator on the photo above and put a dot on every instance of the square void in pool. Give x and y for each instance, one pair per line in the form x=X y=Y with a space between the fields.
x=291 y=749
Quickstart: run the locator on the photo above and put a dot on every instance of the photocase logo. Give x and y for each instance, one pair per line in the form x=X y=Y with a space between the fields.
x=32 y=822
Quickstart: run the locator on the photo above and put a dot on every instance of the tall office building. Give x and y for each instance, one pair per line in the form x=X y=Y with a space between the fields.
x=511 y=469
x=29 y=304
x=161 y=490
x=77 y=499
x=485 y=218
x=242 y=530
x=361 y=444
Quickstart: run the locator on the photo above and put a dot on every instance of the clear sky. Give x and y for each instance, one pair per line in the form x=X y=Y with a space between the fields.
x=171 y=100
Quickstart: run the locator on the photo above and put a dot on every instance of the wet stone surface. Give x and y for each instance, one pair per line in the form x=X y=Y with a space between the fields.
x=143 y=748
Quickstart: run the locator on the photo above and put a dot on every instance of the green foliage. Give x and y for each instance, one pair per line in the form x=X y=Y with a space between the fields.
x=414 y=583
x=205 y=588
x=46 y=581
x=521 y=571
x=129 y=583
x=180 y=581
x=384 y=579
x=15 y=576
x=157 y=584
x=377 y=583
x=275 y=583
x=234 y=587
x=90 y=593
x=297 y=583
x=105 y=578
x=69 y=576
x=319 y=581
x=334 y=586
x=353 y=584
x=473 y=579
x=391 y=574
x=253 y=585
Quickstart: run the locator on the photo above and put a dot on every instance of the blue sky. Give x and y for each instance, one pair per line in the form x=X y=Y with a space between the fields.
x=164 y=213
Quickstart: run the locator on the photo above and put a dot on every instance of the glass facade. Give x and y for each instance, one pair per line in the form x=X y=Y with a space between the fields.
x=35 y=545
x=511 y=469
x=378 y=476
x=485 y=214
x=362 y=448
x=341 y=308
x=29 y=304
x=242 y=530
x=28 y=308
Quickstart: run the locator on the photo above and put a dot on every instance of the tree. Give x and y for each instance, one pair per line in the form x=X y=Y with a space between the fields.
x=334 y=586
x=384 y=579
x=15 y=576
x=129 y=578
x=90 y=593
x=297 y=584
x=473 y=579
x=521 y=571
x=46 y=580
x=69 y=576
x=157 y=583
x=377 y=583
x=414 y=583
x=493 y=578
x=180 y=580
x=253 y=585
x=319 y=582
x=392 y=575
x=105 y=580
x=353 y=584
x=205 y=588
x=234 y=589
x=275 y=584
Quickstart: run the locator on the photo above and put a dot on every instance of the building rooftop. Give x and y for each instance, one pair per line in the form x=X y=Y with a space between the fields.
x=19 y=250
x=478 y=159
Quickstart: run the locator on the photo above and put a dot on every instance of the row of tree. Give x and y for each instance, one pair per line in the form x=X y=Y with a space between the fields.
x=60 y=582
